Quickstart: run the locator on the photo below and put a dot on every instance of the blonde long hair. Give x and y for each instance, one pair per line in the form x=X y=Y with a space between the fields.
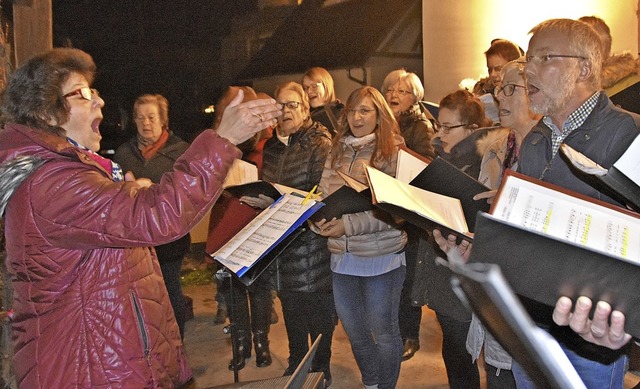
x=386 y=127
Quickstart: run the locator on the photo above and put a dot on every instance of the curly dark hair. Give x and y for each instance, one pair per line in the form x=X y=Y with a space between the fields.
x=33 y=96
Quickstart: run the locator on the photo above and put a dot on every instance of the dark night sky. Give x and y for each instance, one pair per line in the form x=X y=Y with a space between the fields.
x=150 y=46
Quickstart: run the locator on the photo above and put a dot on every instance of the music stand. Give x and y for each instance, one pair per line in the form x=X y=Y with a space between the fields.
x=248 y=278
x=483 y=288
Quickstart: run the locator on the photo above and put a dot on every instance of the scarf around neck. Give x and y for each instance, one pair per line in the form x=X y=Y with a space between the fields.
x=149 y=150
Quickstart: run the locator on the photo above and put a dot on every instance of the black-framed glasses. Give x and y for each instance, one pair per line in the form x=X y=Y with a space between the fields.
x=85 y=92
x=313 y=86
x=290 y=104
x=507 y=89
x=548 y=57
x=400 y=92
x=361 y=111
x=447 y=129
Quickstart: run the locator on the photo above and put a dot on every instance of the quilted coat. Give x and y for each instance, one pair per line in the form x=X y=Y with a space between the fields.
x=369 y=233
x=91 y=309
x=304 y=265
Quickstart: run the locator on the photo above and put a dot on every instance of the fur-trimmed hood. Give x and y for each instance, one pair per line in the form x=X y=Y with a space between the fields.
x=617 y=67
x=492 y=140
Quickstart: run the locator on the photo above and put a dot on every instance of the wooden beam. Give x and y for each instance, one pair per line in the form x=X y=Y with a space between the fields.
x=32 y=28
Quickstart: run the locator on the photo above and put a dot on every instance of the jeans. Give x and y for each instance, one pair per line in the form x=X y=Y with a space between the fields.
x=462 y=371
x=594 y=375
x=368 y=309
x=308 y=314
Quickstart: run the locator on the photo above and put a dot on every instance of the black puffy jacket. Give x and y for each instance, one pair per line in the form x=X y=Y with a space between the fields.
x=305 y=265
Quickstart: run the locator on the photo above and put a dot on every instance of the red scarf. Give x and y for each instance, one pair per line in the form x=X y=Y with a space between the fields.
x=148 y=151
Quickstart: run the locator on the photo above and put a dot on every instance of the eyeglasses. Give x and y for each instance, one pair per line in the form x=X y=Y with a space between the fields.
x=361 y=111
x=400 y=92
x=85 y=92
x=548 y=57
x=447 y=129
x=507 y=89
x=313 y=86
x=291 y=104
x=142 y=119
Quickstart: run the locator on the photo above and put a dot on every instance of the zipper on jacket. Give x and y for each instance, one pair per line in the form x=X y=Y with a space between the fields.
x=143 y=333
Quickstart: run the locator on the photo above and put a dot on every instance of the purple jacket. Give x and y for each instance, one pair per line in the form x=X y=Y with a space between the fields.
x=91 y=308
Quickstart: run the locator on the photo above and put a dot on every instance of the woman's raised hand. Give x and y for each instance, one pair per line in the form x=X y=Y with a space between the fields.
x=240 y=121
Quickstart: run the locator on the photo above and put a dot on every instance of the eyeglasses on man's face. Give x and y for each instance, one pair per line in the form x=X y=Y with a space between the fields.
x=312 y=87
x=543 y=59
x=447 y=129
x=85 y=92
x=400 y=92
x=507 y=89
x=290 y=104
x=361 y=111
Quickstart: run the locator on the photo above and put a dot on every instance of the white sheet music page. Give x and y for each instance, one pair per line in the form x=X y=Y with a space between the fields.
x=444 y=210
x=537 y=208
x=244 y=249
x=408 y=166
x=629 y=162
x=241 y=172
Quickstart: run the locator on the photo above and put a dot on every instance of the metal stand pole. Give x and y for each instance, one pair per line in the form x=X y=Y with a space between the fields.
x=231 y=328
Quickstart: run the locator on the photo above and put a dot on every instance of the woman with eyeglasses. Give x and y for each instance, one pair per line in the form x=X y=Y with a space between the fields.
x=500 y=150
x=150 y=154
x=367 y=248
x=325 y=107
x=461 y=123
x=403 y=91
x=294 y=156
x=90 y=308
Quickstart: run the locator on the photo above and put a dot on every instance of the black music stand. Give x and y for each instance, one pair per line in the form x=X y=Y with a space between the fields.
x=248 y=278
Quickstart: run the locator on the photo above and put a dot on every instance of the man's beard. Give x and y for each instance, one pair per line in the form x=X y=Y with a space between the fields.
x=557 y=96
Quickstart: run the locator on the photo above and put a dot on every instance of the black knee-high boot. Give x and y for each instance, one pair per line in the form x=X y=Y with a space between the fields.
x=261 y=304
x=238 y=309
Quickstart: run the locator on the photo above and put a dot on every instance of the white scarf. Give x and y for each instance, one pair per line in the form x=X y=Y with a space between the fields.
x=361 y=141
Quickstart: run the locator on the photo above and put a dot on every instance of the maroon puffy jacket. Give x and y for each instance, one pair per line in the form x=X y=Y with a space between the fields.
x=91 y=309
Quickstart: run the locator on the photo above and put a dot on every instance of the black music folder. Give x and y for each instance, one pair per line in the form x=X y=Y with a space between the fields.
x=543 y=268
x=444 y=178
x=345 y=200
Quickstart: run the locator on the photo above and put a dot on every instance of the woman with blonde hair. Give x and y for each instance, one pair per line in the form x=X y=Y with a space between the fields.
x=325 y=106
x=367 y=248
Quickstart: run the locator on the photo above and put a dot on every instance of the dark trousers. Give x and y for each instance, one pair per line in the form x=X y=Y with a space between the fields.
x=409 y=316
x=250 y=310
x=462 y=372
x=170 y=256
x=502 y=379
x=308 y=314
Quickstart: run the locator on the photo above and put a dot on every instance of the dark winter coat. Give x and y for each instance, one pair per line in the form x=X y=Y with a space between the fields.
x=417 y=131
x=305 y=265
x=130 y=158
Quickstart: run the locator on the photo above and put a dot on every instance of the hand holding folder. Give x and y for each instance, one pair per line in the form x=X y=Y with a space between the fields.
x=550 y=242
